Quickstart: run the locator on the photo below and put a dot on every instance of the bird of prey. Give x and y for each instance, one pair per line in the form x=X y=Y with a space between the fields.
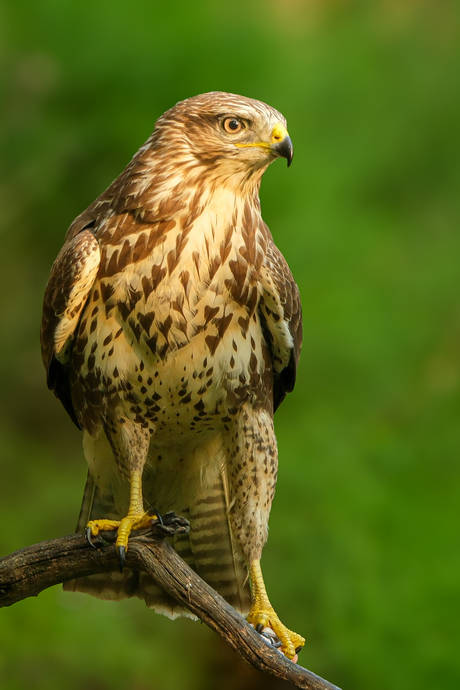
x=171 y=333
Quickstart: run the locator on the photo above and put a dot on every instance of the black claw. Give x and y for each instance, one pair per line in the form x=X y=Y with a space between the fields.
x=88 y=536
x=122 y=557
x=259 y=628
x=298 y=649
x=156 y=515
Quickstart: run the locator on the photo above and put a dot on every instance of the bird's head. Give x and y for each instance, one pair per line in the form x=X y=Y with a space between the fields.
x=224 y=133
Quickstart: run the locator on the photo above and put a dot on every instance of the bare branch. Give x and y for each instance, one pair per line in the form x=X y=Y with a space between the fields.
x=29 y=571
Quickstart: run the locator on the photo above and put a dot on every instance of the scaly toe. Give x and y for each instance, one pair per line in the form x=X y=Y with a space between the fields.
x=127 y=525
x=93 y=528
x=291 y=642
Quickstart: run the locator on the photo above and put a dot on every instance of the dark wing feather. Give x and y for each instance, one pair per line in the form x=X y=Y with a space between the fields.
x=281 y=313
x=70 y=282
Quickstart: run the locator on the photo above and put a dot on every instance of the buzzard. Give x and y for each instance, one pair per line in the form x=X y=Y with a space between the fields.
x=171 y=333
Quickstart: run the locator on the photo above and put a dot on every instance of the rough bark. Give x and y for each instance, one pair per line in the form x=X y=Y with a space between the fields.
x=29 y=571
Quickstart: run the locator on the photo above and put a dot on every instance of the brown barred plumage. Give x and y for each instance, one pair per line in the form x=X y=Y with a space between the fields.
x=171 y=332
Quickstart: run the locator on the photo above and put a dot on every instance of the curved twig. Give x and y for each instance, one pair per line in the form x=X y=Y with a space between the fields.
x=29 y=571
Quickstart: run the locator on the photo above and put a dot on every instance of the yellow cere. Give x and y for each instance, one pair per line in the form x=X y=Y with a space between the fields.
x=279 y=133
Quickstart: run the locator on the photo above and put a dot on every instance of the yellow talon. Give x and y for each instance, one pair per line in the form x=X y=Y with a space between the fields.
x=136 y=519
x=262 y=613
x=130 y=522
x=96 y=526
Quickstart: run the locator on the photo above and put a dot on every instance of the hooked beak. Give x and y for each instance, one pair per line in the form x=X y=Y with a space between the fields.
x=281 y=143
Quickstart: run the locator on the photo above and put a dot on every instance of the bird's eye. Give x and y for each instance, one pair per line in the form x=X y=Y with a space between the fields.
x=232 y=125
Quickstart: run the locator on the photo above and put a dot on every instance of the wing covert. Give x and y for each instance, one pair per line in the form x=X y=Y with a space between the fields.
x=281 y=312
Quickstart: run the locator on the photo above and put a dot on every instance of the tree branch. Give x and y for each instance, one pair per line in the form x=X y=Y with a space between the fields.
x=29 y=571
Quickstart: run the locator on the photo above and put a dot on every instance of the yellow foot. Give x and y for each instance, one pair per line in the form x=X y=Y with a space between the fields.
x=124 y=527
x=291 y=642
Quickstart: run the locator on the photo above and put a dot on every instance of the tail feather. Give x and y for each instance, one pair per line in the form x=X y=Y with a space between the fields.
x=218 y=560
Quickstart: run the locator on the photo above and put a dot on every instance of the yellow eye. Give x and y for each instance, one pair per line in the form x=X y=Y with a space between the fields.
x=232 y=125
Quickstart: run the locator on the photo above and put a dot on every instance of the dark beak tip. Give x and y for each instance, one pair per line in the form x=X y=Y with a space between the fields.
x=285 y=149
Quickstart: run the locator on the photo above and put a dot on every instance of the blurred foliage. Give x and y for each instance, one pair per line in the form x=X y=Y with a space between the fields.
x=363 y=555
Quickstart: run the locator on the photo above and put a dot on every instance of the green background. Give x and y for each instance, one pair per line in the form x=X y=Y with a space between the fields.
x=363 y=553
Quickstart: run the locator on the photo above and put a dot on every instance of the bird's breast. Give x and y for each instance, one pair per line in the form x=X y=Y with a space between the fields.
x=173 y=333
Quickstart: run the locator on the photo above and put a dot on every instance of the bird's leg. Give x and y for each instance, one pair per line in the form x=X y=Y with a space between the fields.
x=252 y=468
x=130 y=445
x=136 y=519
x=262 y=614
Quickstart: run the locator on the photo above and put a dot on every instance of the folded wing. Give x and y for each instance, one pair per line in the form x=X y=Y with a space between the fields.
x=281 y=312
x=72 y=277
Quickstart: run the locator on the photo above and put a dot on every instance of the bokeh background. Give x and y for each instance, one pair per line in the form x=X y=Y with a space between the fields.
x=363 y=555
